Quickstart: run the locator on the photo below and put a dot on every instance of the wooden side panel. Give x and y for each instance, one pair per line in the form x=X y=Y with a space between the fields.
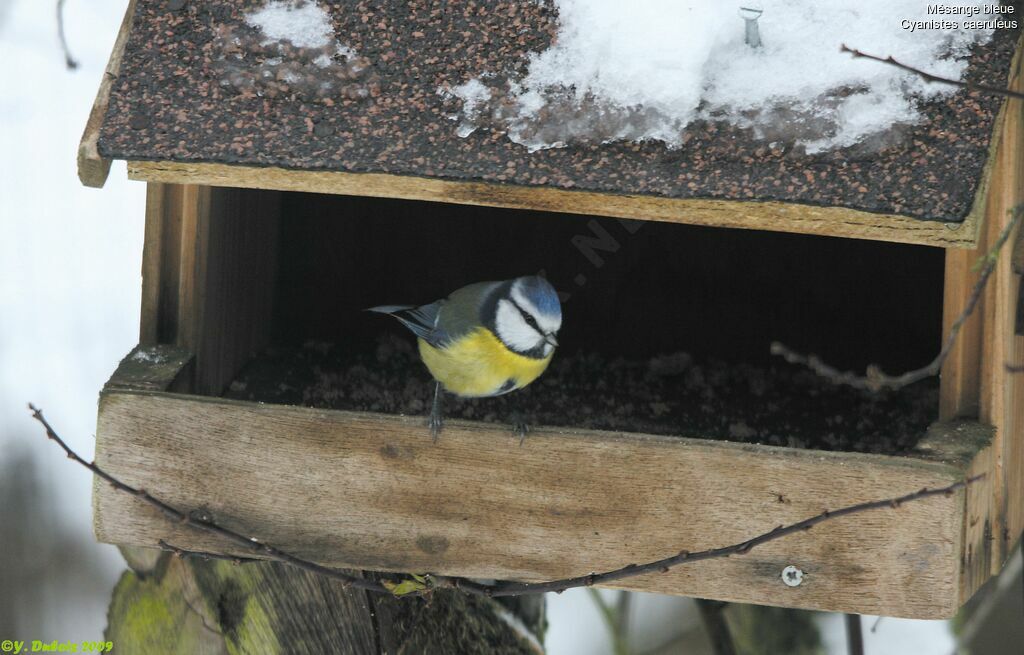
x=161 y=255
x=1002 y=392
x=208 y=269
x=959 y=392
x=235 y=270
x=373 y=492
x=975 y=379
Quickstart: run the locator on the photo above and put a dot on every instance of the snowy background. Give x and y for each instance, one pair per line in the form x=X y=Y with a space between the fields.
x=69 y=303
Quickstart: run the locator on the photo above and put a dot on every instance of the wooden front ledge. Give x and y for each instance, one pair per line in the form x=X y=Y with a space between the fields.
x=371 y=491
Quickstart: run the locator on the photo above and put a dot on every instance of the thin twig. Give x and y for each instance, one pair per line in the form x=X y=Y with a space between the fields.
x=198 y=554
x=623 y=607
x=875 y=379
x=854 y=635
x=201 y=520
x=69 y=61
x=929 y=77
x=611 y=623
x=716 y=626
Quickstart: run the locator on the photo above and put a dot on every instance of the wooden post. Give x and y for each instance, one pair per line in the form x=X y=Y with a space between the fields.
x=192 y=606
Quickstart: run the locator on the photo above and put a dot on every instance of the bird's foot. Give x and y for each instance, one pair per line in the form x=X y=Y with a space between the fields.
x=436 y=424
x=519 y=426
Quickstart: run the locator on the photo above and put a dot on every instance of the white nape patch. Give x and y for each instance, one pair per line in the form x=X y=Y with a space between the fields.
x=513 y=331
x=644 y=71
x=547 y=323
x=305 y=24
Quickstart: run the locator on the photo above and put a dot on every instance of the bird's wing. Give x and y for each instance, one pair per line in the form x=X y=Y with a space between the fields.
x=463 y=310
x=422 y=320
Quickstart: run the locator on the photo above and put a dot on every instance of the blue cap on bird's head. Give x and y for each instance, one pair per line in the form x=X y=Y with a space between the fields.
x=538 y=292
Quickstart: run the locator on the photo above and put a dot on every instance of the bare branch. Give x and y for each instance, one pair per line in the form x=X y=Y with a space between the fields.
x=928 y=77
x=182 y=553
x=854 y=635
x=69 y=61
x=876 y=380
x=716 y=626
x=202 y=521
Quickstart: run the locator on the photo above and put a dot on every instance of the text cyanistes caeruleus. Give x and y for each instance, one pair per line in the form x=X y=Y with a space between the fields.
x=485 y=339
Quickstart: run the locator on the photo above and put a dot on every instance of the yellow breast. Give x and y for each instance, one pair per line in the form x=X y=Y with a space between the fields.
x=479 y=364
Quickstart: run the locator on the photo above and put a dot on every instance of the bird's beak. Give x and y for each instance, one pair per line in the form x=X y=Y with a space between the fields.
x=550 y=338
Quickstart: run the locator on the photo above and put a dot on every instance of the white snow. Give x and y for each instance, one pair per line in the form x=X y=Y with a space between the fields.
x=474 y=95
x=305 y=24
x=644 y=70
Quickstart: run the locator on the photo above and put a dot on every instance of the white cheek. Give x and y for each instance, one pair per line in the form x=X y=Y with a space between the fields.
x=513 y=330
x=547 y=323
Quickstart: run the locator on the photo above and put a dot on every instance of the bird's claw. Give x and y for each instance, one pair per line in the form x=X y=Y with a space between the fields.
x=435 y=423
x=520 y=427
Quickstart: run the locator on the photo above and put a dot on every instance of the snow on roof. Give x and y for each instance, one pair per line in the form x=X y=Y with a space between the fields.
x=637 y=71
x=305 y=24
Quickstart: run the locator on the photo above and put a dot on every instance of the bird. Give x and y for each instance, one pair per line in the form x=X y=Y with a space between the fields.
x=485 y=339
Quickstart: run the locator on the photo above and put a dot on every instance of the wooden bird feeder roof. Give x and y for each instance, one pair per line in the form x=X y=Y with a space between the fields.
x=170 y=111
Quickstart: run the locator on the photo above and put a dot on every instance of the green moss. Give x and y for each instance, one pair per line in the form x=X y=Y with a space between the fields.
x=140 y=610
x=151 y=615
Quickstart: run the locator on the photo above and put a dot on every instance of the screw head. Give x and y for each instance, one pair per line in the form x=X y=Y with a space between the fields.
x=792 y=576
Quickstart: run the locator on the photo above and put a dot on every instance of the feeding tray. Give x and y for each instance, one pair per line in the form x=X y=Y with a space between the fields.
x=261 y=392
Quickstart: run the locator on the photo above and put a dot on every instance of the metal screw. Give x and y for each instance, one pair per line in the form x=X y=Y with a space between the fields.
x=792 y=576
x=753 y=35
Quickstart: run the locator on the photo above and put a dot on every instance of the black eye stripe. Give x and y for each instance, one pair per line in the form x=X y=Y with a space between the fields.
x=530 y=320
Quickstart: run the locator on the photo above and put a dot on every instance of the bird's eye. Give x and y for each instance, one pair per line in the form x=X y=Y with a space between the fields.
x=530 y=320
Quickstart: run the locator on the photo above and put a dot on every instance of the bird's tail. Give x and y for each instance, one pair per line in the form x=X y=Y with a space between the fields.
x=420 y=320
x=390 y=309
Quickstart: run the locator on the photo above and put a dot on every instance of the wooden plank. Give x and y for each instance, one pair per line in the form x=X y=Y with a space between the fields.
x=230 y=291
x=208 y=270
x=92 y=167
x=960 y=378
x=371 y=491
x=773 y=216
x=161 y=258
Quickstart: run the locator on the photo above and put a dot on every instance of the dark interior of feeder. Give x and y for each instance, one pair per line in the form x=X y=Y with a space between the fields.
x=666 y=327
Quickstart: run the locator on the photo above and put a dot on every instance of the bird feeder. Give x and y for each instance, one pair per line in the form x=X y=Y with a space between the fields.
x=275 y=213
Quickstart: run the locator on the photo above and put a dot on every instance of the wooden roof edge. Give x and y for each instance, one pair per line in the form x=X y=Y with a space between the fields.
x=777 y=216
x=93 y=168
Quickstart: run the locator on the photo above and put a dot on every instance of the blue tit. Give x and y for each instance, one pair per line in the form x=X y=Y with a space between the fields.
x=485 y=339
